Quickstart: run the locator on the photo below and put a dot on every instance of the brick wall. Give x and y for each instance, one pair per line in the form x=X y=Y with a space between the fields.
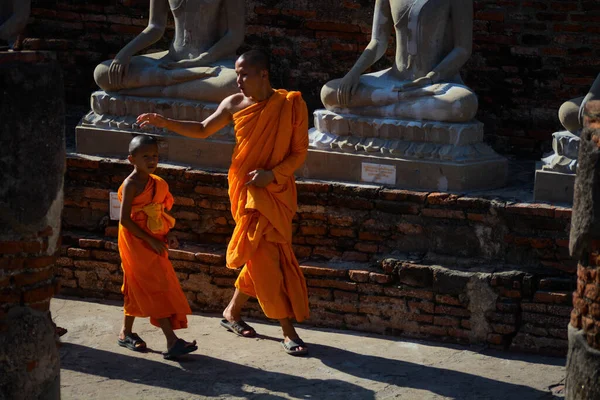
x=434 y=265
x=528 y=57
x=586 y=300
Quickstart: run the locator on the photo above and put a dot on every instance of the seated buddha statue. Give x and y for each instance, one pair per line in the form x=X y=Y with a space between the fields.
x=199 y=64
x=13 y=19
x=433 y=42
x=571 y=111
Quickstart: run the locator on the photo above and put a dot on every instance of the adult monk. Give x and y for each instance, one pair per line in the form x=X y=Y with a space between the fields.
x=271 y=128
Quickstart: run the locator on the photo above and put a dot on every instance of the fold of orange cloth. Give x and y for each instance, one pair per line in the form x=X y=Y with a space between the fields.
x=270 y=135
x=150 y=285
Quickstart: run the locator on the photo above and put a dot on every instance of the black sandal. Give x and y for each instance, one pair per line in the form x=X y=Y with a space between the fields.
x=132 y=342
x=292 y=347
x=180 y=348
x=238 y=327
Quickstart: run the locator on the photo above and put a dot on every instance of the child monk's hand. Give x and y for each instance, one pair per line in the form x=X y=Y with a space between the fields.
x=158 y=246
x=172 y=240
x=154 y=119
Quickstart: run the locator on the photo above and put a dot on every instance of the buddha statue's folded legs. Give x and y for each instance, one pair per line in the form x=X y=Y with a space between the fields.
x=380 y=96
x=147 y=78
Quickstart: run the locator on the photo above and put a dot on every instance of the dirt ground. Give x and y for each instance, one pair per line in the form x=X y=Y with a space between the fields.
x=341 y=364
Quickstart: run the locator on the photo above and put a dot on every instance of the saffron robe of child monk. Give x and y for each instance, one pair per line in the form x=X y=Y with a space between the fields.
x=270 y=135
x=150 y=286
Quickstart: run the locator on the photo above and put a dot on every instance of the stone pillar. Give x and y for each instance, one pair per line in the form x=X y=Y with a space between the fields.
x=583 y=360
x=32 y=163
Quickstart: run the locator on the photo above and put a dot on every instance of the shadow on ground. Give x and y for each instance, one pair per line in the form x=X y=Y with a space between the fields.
x=207 y=376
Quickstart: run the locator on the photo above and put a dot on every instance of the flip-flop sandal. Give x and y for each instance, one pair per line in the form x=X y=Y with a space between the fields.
x=294 y=344
x=133 y=342
x=180 y=348
x=238 y=327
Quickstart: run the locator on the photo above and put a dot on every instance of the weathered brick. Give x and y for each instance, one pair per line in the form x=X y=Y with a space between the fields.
x=92 y=265
x=455 y=311
x=433 y=330
x=333 y=284
x=551 y=297
x=324 y=271
x=106 y=256
x=359 y=276
x=91 y=243
x=210 y=258
x=382 y=279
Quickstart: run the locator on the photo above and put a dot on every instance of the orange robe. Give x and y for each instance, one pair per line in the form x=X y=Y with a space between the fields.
x=270 y=135
x=150 y=286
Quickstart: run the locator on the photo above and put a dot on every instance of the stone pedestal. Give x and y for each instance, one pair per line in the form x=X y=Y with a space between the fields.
x=553 y=187
x=107 y=129
x=420 y=154
x=555 y=176
x=120 y=112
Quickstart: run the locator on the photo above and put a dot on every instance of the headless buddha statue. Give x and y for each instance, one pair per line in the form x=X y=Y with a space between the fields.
x=433 y=41
x=13 y=19
x=571 y=112
x=199 y=64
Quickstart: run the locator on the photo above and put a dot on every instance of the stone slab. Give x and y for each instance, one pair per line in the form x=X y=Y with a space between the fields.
x=323 y=165
x=553 y=187
x=410 y=174
x=457 y=134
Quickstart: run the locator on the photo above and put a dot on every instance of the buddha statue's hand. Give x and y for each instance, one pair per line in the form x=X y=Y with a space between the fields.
x=151 y=119
x=423 y=81
x=200 y=61
x=117 y=72
x=347 y=87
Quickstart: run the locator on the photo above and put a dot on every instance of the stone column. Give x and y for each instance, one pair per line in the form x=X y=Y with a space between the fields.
x=583 y=360
x=32 y=161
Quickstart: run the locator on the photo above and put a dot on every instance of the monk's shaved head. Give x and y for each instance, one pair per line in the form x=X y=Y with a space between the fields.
x=141 y=141
x=258 y=59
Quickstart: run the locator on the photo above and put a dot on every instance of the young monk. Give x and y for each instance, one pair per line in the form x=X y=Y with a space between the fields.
x=271 y=128
x=150 y=286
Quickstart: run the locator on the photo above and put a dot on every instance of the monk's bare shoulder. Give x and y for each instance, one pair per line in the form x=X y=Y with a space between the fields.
x=236 y=102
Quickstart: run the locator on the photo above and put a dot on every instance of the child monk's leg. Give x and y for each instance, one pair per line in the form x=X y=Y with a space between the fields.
x=175 y=346
x=129 y=339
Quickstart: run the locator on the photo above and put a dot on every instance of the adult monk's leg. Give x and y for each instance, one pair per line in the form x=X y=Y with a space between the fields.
x=244 y=289
x=129 y=339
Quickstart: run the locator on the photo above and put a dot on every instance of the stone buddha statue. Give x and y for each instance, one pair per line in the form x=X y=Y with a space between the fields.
x=199 y=64
x=571 y=112
x=433 y=41
x=416 y=117
x=565 y=144
x=187 y=81
x=13 y=18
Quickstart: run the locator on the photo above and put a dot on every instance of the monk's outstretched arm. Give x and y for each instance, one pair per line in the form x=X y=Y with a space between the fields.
x=299 y=145
x=198 y=130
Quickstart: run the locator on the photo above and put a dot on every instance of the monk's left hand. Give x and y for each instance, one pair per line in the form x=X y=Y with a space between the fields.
x=260 y=178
